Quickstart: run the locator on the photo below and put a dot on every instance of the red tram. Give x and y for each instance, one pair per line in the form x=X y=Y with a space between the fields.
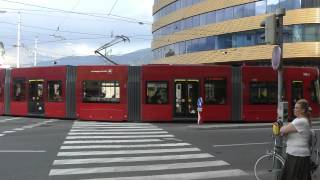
x=155 y=93
x=2 y=90
x=260 y=91
x=39 y=91
x=171 y=92
x=102 y=93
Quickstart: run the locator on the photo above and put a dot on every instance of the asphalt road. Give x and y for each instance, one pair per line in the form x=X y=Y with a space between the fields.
x=40 y=149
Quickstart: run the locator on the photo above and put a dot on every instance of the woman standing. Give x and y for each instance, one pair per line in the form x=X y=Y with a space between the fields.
x=298 y=134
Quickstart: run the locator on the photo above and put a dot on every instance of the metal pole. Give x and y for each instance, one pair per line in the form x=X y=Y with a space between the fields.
x=35 y=51
x=18 y=40
x=279 y=140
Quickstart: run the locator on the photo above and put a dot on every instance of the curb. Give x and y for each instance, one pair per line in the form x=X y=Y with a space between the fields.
x=236 y=126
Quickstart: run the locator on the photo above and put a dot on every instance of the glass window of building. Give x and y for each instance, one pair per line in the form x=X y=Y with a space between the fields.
x=263 y=92
x=188 y=23
x=238 y=11
x=272 y=5
x=261 y=7
x=224 y=41
x=211 y=17
x=211 y=42
x=19 y=90
x=228 y=13
x=202 y=44
x=101 y=91
x=220 y=15
x=310 y=32
x=244 y=39
x=188 y=46
x=195 y=45
x=176 y=49
x=203 y=20
x=290 y=4
x=296 y=33
x=215 y=91
x=182 y=46
x=54 y=91
x=310 y=3
x=195 y=21
x=157 y=93
x=249 y=9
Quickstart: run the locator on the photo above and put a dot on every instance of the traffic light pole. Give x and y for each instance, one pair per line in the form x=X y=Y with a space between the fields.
x=273 y=25
x=280 y=115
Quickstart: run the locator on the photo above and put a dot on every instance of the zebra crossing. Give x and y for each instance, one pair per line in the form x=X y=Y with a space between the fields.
x=121 y=151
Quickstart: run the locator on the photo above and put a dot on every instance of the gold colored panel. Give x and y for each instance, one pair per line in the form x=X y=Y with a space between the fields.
x=161 y=4
x=225 y=27
x=253 y=53
x=199 y=8
x=302 y=50
x=300 y=16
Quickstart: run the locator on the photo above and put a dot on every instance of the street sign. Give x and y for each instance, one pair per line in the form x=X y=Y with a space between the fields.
x=276 y=57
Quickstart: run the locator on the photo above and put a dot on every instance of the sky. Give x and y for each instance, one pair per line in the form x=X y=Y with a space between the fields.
x=74 y=27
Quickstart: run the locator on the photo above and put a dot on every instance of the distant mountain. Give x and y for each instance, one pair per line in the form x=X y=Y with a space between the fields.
x=143 y=56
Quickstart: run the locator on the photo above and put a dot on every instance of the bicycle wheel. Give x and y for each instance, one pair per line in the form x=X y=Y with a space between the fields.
x=268 y=167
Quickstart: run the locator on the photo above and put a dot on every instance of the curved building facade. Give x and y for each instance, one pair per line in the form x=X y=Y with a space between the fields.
x=228 y=31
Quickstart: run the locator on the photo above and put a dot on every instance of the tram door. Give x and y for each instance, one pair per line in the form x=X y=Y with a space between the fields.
x=186 y=95
x=35 y=100
x=296 y=93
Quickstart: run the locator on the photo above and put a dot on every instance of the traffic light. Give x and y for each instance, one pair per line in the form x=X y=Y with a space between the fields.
x=271 y=25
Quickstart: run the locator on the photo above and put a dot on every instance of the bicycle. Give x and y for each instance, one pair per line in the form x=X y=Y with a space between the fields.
x=270 y=165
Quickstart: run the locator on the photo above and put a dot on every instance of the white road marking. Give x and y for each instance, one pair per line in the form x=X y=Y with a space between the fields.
x=21 y=151
x=111 y=123
x=131 y=159
x=18 y=129
x=118 y=127
x=8 y=132
x=245 y=144
x=113 y=130
x=116 y=133
x=119 y=124
x=111 y=141
x=185 y=176
x=118 y=137
x=2 y=135
x=10 y=119
x=125 y=146
x=136 y=168
x=148 y=151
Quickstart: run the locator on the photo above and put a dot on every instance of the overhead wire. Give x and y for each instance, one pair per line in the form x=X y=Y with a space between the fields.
x=114 y=4
x=67 y=16
x=125 y=19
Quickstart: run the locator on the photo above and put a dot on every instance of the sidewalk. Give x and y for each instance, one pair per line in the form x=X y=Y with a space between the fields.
x=216 y=126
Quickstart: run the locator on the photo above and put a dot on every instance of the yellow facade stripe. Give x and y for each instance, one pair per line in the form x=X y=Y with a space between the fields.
x=203 y=7
x=161 y=4
x=299 y=16
x=252 y=53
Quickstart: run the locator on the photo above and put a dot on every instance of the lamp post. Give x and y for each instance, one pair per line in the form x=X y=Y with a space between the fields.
x=2 y=50
x=18 y=40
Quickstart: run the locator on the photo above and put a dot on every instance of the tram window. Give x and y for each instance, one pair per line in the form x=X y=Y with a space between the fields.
x=19 y=89
x=263 y=93
x=215 y=91
x=315 y=91
x=54 y=91
x=101 y=91
x=157 y=92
